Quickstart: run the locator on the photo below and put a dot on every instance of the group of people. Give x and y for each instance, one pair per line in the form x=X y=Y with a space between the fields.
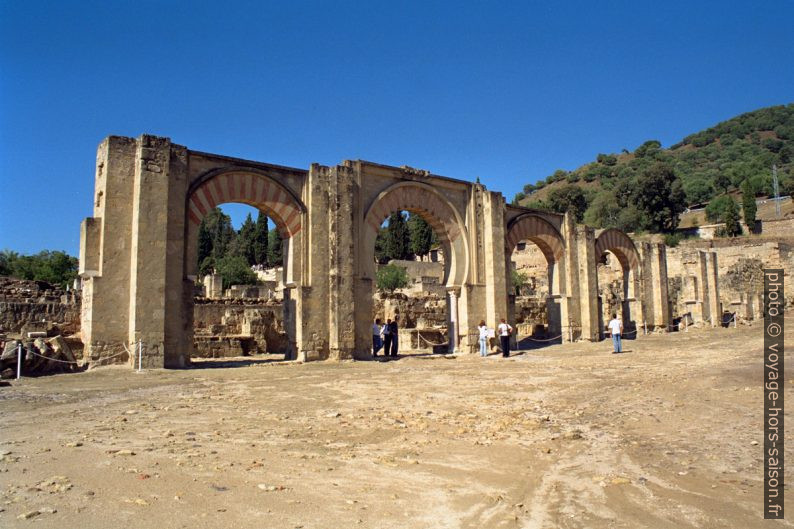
x=385 y=337
x=504 y=330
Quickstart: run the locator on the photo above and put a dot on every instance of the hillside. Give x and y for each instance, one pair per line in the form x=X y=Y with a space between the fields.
x=708 y=164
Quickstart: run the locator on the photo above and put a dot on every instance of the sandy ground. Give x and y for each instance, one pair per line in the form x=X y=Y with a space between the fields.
x=668 y=434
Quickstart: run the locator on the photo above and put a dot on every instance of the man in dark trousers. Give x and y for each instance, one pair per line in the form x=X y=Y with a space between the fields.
x=387 y=337
x=394 y=340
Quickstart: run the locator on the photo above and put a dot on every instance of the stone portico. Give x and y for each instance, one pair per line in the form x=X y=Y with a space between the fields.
x=138 y=250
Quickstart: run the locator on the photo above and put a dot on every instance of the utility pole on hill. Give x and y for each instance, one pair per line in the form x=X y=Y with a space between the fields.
x=776 y=191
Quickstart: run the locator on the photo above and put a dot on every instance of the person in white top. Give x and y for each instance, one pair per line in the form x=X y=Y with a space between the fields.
x=504 y=330
x=616 y=328
x=377 y=341
x=483 y=338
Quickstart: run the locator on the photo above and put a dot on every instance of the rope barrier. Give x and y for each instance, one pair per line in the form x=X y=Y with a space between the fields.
x=529 y=337
x=51 y=359
x=428 y=342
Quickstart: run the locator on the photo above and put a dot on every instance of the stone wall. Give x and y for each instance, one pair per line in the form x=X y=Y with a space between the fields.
x=37 y=306
x=739 y=265
x=426 y=312
x=238 y=327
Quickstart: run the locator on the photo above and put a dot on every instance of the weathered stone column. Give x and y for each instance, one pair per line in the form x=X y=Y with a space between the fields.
x=655 y=287
x=157 y=286
x=707 y=310
x=588 y=281
x=495 y=258
x=105 y=253
x=715 y=307
x=341 y=255
x=311 y=299
x=454 y=333
x=569 y=276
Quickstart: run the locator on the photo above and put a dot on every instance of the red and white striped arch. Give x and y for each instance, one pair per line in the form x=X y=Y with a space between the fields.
x=253 y=189
x=432 y=208
x=619 y=244
x=435 y=209
x=539 y=231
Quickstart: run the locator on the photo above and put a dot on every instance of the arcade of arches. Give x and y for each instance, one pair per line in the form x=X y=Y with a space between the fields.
x=138 y=251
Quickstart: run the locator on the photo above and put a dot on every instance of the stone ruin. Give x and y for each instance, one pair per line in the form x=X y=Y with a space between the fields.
x=45 y=319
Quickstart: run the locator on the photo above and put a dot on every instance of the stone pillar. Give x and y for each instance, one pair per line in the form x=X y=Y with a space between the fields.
x=157 y=285
x=703 y=282
x=570 y=307
x=495 y=258
x=454 y=333
x=312 y=297
x=105 y=253
x=588 y=283
x=714 y=290
x=655 y=287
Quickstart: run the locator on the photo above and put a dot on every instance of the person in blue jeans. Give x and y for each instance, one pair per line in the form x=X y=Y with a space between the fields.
x=483 y=338
x=616 y=328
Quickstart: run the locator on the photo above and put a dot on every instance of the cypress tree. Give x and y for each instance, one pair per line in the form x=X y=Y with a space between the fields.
x=260 y=240
x=275 y=256
x=421 y=235
x=397 y=244
x=749 y=207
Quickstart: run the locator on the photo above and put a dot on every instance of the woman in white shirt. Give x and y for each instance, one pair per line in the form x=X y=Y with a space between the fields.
x=483 y=338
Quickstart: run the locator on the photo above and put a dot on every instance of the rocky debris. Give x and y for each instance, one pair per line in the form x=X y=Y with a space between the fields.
x=39 y=357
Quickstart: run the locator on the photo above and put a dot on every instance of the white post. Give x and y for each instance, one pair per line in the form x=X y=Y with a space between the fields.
x=19 y=360
x=140 y=354
x=570 y=334
x=734 y=321
x=686 y=324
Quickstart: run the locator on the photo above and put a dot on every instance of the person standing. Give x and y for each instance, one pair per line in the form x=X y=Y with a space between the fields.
x=504 y=337
x=387 y=337
x=616 y=327
x=483 y=338
x=393 y=329
x=377 y=343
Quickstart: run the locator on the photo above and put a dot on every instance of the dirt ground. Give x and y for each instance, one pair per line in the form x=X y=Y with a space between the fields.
x=668 y=434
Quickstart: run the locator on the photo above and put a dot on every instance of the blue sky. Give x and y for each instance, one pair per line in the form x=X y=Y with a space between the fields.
x=507 y=91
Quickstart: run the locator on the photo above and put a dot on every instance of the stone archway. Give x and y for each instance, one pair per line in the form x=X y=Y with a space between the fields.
x=548 y=239
x=622 y=247
x=257 y=189
x=423 y=200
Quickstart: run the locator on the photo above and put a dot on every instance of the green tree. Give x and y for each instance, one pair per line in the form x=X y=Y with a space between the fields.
x=648 y=149
x=749 y=207
x=715 y=210
x=722 y=181
x=234 y=270
x=604 y=211
x=218 y=226
x=275 y=255
x=260 y=240
x=397 y=240
x=55 y=267
x=732 y=225
x=568 y=198
x=243 y=243
x=660 y=198
x=518 y=198
x=421 y=235
x=204 y=243
x=390 y=277
x=520 y=281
